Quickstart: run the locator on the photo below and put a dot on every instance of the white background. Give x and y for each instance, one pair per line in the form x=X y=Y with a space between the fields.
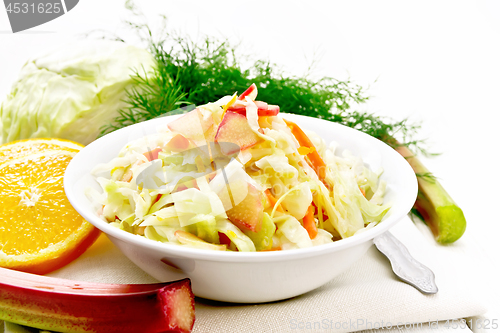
x=437 y=62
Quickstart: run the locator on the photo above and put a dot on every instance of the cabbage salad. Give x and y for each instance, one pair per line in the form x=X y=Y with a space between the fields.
x=234 y=175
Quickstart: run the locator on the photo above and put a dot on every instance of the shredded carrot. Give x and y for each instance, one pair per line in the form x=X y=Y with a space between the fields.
x=309 y=223
x=127 y=176
x=273 y=249
x=270 y=197
x=362 y=192
x=313 y=157
x=272 y=200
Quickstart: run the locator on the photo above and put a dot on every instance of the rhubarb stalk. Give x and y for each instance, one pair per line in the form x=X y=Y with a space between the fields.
x=438 y=210
x=69 y=306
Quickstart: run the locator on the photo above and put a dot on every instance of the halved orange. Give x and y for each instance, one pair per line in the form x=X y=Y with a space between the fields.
x=39 y=229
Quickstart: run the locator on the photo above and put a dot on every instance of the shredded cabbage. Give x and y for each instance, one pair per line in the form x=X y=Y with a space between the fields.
x=257 y=199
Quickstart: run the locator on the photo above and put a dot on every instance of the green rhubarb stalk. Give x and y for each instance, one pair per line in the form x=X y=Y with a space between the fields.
x=69 y=306
x=436 y=207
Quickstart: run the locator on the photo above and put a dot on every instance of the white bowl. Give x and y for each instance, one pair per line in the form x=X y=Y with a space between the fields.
x=242 y=276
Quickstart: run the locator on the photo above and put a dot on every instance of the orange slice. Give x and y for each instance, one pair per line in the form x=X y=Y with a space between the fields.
x=39 y=229
x=20 y=148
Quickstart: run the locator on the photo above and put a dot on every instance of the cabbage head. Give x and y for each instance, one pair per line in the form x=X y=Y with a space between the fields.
x=71 y=92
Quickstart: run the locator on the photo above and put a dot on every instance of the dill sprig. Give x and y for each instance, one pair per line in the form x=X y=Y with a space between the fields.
x=152 y=95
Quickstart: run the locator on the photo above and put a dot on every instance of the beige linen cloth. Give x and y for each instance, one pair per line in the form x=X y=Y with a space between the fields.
x=367 y=297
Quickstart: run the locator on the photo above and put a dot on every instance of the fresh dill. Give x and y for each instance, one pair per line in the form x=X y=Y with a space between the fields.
x=427 y=176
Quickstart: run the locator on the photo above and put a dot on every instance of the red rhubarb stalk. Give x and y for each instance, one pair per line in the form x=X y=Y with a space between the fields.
x=69 y=306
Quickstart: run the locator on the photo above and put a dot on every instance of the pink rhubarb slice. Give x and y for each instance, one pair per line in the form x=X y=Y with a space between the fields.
x=263 y=109
x=247 y=213
x=234 y=128
x=193 y=125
